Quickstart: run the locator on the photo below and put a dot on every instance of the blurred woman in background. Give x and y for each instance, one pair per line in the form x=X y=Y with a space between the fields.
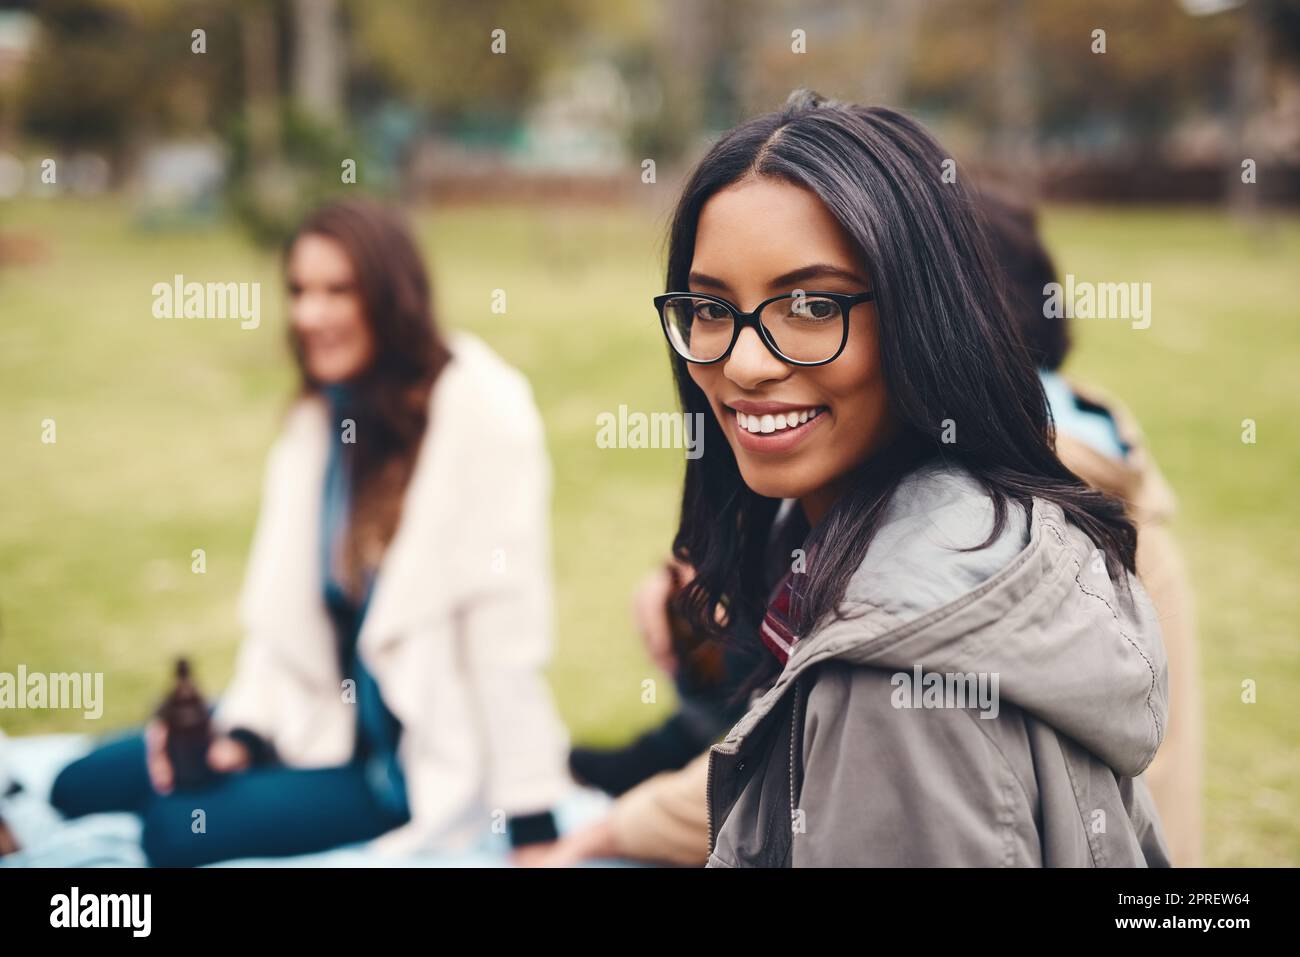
x=397 y=598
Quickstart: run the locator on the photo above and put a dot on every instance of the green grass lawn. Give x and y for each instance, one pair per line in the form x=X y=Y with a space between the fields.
x=162 y=426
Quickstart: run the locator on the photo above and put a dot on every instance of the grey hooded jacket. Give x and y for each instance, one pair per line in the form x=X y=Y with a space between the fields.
x=850 y=760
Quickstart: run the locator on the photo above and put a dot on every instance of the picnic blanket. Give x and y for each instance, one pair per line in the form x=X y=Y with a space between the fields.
x=48 y=839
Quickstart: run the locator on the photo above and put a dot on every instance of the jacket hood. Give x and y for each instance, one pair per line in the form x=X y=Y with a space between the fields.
x=1034 y=610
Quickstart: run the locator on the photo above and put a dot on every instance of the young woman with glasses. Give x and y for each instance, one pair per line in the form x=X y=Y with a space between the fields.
x=960 y=666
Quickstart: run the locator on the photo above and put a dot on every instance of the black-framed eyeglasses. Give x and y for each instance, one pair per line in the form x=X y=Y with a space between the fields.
x=801 y=328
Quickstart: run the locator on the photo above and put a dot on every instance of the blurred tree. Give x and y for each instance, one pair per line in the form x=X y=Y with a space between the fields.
x=439 y=52
x=319 y=66
x=1016 y=134
x=1159 y=64
x=999 y=76
x=897 y=22
x=105 y=72
x=260 y=38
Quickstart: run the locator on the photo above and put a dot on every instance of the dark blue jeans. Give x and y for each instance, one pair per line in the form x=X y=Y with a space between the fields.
x=269 y=811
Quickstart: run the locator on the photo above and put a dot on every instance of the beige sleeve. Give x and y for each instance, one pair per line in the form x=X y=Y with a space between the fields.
x=1176 y=776
x=665 y=818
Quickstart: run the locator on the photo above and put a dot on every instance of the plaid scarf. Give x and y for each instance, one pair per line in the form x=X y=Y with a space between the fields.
x=776 y=630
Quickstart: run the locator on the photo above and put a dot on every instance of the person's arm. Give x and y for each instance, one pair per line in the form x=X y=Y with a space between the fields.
x=506 y=625
x=257 y=749
x=665 y=818
x=247 y=704
x=889 y=787
x=245 y=709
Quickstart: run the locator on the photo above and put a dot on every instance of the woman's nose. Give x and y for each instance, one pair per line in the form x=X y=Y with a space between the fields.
x=751 y=363
x=307 y=311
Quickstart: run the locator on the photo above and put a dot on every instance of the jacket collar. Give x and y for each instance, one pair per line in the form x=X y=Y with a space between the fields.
x=1035 y=606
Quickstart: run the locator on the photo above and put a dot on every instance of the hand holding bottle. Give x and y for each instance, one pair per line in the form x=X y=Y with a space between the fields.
x=224 y=755
x=180 y=749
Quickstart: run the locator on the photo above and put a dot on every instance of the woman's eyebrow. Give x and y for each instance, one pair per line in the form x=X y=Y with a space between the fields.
x=786 y=280
x=815 y=271
x=700 y=279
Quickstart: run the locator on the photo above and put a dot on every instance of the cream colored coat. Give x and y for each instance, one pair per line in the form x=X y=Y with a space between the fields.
x=459 y=624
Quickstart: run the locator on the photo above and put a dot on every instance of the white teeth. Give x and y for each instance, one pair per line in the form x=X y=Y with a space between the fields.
x=775 y=423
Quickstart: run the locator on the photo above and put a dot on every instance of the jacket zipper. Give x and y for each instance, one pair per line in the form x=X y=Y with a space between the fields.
x=708 y=782
x=794 y=732
x=708 y=801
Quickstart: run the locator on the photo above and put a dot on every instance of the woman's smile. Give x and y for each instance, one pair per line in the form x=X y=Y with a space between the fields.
x=771 y=427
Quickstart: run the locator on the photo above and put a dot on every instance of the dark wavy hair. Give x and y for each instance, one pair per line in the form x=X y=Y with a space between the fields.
x=391 y=396
x=949 y=349
x=1026 y=266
